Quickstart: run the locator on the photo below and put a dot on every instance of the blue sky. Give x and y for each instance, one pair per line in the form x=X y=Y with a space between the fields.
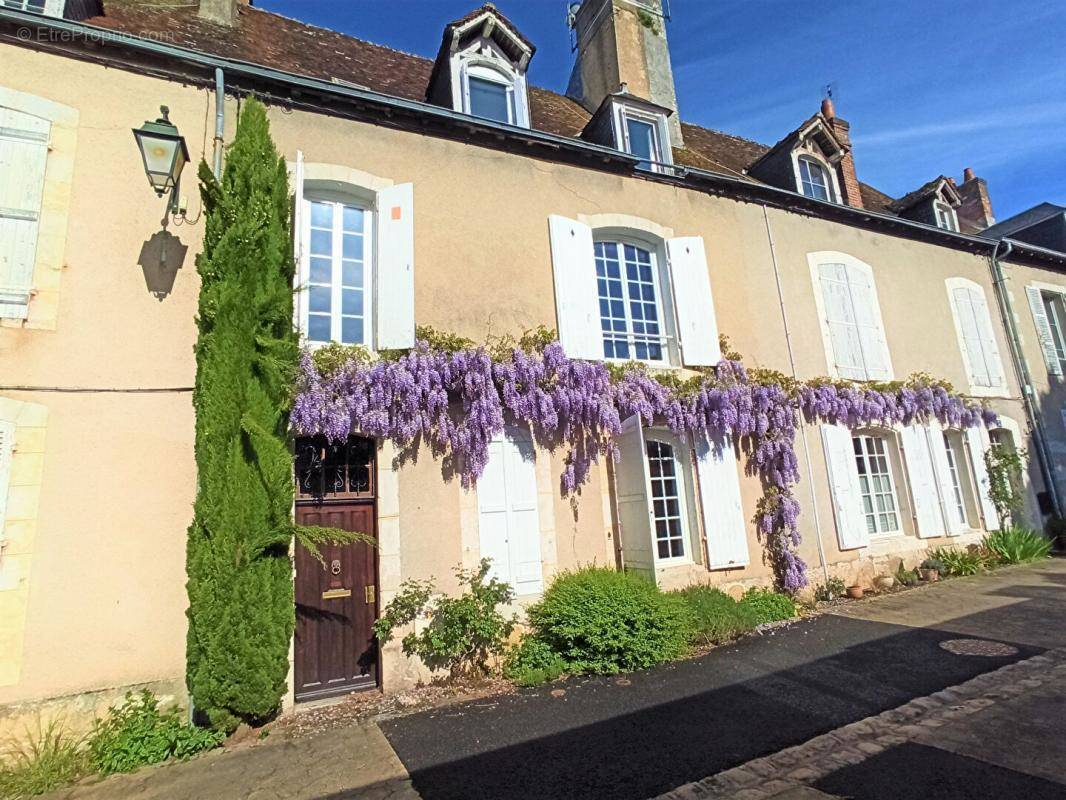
x=928 y=87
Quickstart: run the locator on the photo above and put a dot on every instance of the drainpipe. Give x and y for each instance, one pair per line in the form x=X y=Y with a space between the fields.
x=802 y=423
x=1021 y=367
x=220 y=120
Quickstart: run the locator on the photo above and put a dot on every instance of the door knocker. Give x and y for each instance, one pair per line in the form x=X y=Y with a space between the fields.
x=335 y=567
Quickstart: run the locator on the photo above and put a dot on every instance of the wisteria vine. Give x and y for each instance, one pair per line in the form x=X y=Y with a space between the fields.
x=456 y=397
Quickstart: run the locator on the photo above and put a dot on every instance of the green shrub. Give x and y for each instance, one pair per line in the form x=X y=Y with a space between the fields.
x=935 y=563
x=603 y=621
x=717 y=617
x=138 y=733
x=959 y=562
x=906 y=577
x=1016 y=546
x=830 y=590
x=464 y=632
x=533 y=662
x=768 y=605
x=45 y=760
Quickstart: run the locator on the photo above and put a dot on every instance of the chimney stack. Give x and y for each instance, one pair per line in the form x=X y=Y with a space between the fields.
x=975 y=211
x=849 y=181
x=621 y=41
x=220 y=12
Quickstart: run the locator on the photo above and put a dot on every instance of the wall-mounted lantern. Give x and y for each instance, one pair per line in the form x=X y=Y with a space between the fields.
x=164 y=154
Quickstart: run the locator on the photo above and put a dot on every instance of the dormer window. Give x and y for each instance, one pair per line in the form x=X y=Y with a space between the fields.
x=814 y=179
x=641 y=136
x=481 y=68
x=489 y=94
x=945 y=217
x=635 y=126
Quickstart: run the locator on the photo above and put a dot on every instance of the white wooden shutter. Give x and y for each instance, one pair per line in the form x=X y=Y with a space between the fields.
x=694 y=302
x=977 y=442
x=925 y=493
x=840 y=317
x=942 y=468
x=724 y=523
x=868 y=321
x=631 y=488
x=970 y=337
x=1043 y=330
x=508 y=521
x=844 y=486
x=23 y=153
x=395 y=276
x=577 y=304
x=987 y=335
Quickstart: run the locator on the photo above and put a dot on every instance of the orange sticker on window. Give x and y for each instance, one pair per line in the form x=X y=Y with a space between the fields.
x=396 y=213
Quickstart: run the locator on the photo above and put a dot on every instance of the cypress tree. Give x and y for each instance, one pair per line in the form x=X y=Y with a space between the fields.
x=241 y=613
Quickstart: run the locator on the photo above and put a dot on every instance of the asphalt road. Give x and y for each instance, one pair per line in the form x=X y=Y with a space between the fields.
x=653 y=731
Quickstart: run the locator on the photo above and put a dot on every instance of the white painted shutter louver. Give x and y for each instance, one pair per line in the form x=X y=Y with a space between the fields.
x=631 y=488
x=970 y=337
x=7 y=447
x=23 y=153
x=938 y=448
x=977 y=442
x=1043 y=330
x=395 y=276
x=843 y=332
x=871 y=334
x=724 y=523
x=576 y=297
x=844 y=486
x=989 y=346
x=925 y=494
x=694 y=301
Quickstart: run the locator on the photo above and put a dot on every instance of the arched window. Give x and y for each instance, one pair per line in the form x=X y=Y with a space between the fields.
x=630 y=296
x=338 y=240
x=489 y=93
x=814 y=179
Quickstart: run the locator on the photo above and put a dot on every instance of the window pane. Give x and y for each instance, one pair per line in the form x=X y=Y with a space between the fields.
x=321 y=215
x=489 y=99
x=352 y=302
x=353 y=219
x=319 y=298
x=642 y=140
x=321 y=243
x=351 y=330
x=352 y=273
x=353 y=247
x=321 y=270
x=318 y=328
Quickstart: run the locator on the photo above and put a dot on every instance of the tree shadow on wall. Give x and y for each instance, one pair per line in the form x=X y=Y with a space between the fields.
x=162 y=255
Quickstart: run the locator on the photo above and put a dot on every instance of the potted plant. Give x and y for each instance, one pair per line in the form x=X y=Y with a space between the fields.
x=884 y=582
x=931 y=569
x=855 y=592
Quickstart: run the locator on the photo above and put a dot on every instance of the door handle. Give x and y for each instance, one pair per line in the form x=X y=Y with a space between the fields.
x=370 y=594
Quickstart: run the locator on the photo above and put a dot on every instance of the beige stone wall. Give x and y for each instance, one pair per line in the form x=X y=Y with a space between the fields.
x=104 y=595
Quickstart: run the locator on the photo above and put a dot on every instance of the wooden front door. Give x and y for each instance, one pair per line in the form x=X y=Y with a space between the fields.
x=336 y=603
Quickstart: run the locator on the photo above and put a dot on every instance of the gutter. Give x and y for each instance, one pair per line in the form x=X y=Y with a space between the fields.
x=1021 y=367
x=78 y=33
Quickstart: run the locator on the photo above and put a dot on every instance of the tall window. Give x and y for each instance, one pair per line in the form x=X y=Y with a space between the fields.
x=945 y=217
x=875 y=483
x=490 y=95
x=338 y=266
x=814 y=180
x=956 y=483
x=630 y=310
x=1055 y=309
x=667 y=500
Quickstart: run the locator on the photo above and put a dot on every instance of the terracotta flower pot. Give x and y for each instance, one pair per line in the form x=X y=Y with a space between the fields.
x=930 y=575
x=855 y=592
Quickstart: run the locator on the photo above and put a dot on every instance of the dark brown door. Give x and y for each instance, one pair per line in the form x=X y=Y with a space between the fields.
x=336 y=604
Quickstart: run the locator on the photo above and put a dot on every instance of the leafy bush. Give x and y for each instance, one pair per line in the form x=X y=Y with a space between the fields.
x=1004 y=466
x=935 y=563
x=717 y=617
x=603 y=621
x=1016 y=546
x=830 y=590
x=533 y=662
x=138 y=733
x=960 y=562
x=464 y=632
x=768 y=605
x=906 y=577
x=45 y=760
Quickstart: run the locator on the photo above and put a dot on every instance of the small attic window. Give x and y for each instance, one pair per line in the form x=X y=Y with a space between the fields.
x=814 y=179
x=489 y=93
x=945 y=216
x=642 y=132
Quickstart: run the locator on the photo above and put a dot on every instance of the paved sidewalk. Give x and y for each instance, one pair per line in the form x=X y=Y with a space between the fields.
x=354 y=763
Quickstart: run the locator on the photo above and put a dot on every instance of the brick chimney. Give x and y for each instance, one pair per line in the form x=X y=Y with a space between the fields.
x=975 y=212
x=849 y=182
x=623 y=41
x=220 y=12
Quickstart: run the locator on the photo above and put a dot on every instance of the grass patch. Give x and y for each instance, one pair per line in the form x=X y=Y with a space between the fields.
x=716 y=617
x=1016 y=546
x=46 y=759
